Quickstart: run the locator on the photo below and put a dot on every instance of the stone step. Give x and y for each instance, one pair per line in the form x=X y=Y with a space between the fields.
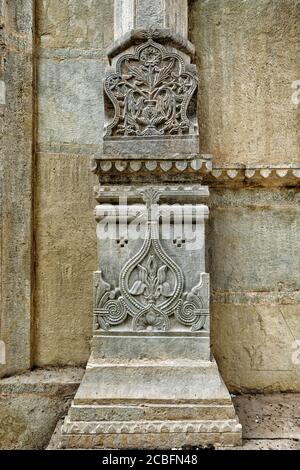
x=146 y=404
x=151 y=440
x=149 y=412
x=155 y=382
x=150 y=434
x=137 y=427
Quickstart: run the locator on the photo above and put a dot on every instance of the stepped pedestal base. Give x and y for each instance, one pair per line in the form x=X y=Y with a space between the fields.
x=150 y=404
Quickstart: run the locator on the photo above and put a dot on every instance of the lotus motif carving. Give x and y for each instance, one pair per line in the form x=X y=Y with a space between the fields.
x=151 y=282
x=151 y=287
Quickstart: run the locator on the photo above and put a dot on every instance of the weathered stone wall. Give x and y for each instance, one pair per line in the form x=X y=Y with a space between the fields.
x=254 y=261
x=72 y=36
x=16 y=175
x=248 y=56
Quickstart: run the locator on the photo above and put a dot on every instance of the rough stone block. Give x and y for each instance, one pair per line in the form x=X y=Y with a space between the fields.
x=65 y=253
x=248 y=58
x=16 y=175
x=254 y=242
x=32 y=403
x=75 y=24
x=70 y=101
x=255 y=346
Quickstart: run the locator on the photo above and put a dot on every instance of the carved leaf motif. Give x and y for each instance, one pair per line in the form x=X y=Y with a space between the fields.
x=161 y=274
x=137 y=73
x=151 y=266
x=166 y=290
x=130 y=121
x=137 y=288
x=142 y=273
x=140 y=105
x=142 y=120
x=132 y=104
x=165 y=72
x=140 y=284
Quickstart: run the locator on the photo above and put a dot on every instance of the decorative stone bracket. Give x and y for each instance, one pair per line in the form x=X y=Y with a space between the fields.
x=150 y=98
x=151 y=92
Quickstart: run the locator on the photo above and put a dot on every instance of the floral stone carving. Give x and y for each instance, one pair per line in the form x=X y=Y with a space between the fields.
x=151 y=288
x=150 y=92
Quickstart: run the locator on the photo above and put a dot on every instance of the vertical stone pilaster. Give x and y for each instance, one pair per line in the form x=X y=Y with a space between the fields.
x=145 y=14
x=16 y=151
x=151 y=333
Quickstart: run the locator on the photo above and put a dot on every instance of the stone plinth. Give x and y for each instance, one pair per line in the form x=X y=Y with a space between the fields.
x=150 y=381
x=151 y=404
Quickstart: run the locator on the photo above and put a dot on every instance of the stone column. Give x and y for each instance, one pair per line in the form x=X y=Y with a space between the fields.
x=151 y=381
x=16 y=170
x=159 y=14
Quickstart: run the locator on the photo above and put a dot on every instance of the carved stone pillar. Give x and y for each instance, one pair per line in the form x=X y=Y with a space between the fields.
x=151 y=381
